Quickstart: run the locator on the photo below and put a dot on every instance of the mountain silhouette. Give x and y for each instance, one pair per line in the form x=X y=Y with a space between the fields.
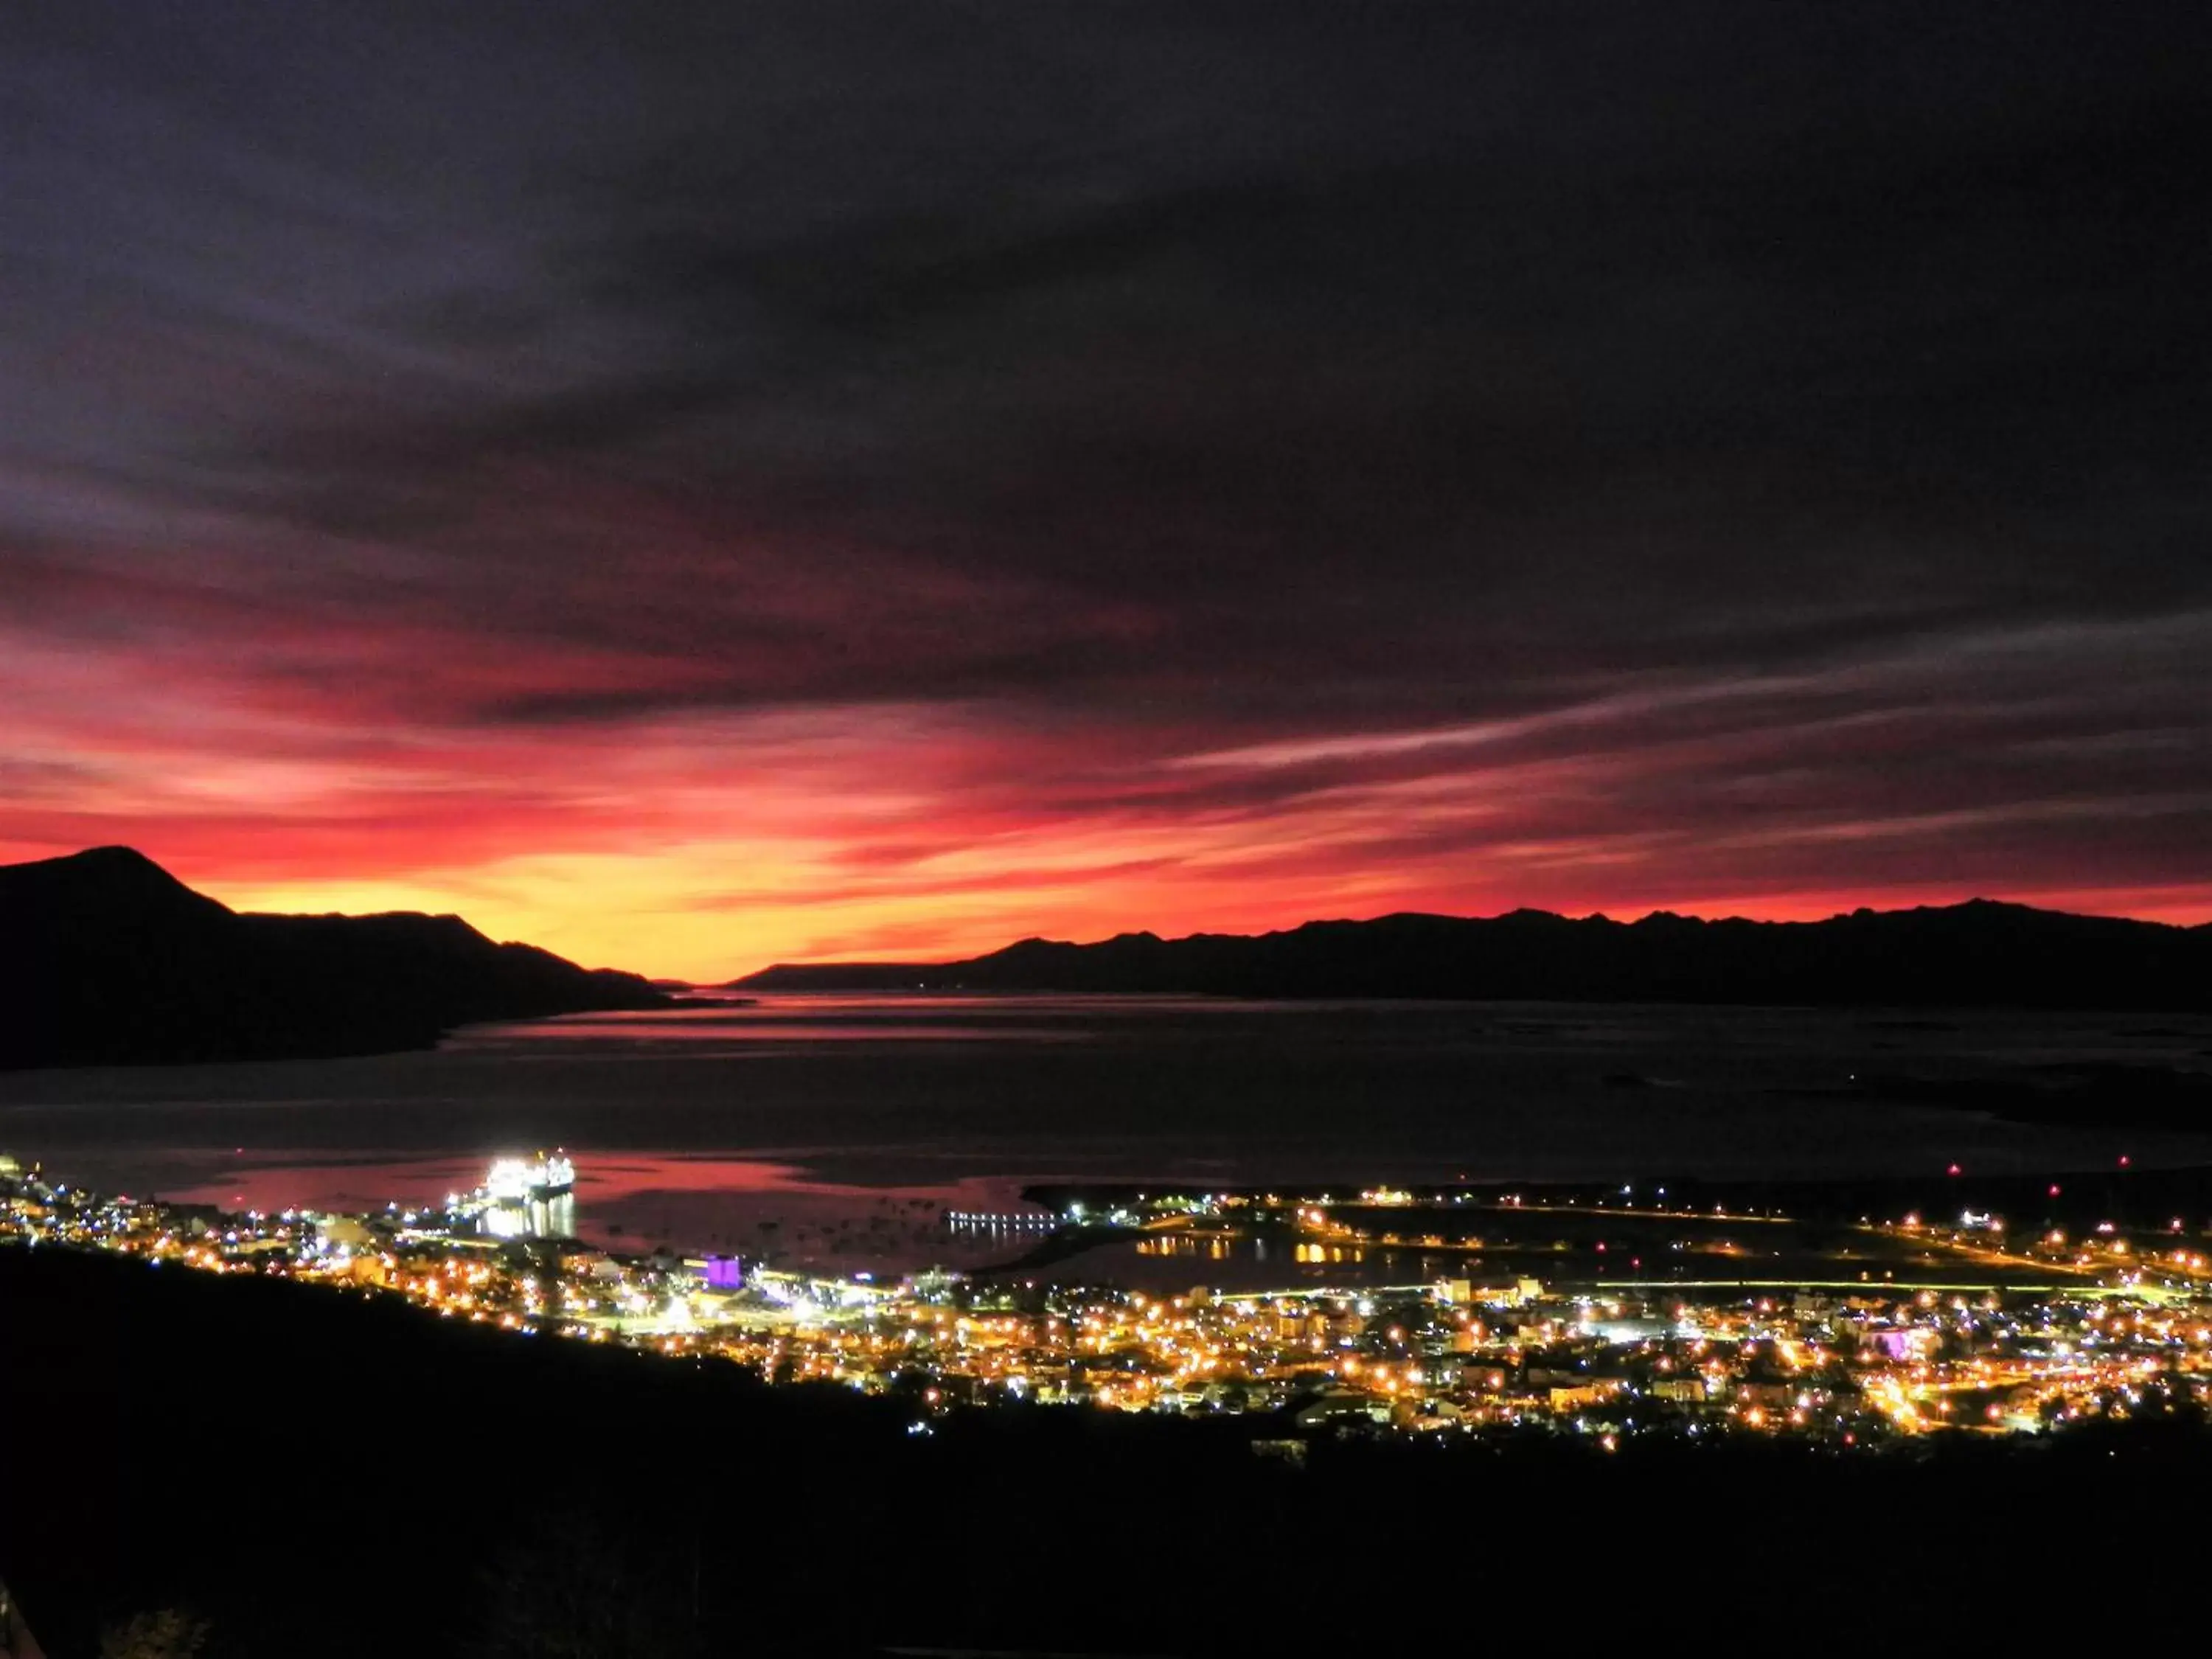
x=106 y=959
x=1980 y=953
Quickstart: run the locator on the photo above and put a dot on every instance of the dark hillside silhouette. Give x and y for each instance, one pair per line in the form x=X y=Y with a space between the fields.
x=108 y=959
x=1976 y=954
x=314 y=1472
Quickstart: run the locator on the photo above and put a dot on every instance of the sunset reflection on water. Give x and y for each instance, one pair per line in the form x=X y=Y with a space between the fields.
x=753 y=1206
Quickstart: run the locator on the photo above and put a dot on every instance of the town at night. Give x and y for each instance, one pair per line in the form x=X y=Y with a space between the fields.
x=1613 y=1316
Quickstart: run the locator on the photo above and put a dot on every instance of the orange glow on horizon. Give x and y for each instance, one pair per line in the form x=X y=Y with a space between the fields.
x=632 y=911
x=705 y=846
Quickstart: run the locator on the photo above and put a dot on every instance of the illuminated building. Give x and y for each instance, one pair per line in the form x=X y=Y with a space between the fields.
x=525 y=1198
x=724 y=1272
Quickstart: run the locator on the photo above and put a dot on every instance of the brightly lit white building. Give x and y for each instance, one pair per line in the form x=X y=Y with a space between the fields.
x=529 y=1198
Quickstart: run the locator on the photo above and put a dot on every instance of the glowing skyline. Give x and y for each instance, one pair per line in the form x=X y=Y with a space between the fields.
x=931 y=833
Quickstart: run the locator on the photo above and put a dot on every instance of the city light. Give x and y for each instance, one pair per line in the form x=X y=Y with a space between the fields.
x=2052 y=1333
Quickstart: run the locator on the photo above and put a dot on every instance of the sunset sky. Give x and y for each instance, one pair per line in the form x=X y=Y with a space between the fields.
x=695 y=486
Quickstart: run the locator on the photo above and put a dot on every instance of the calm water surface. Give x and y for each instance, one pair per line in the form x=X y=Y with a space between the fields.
x=832 y=1129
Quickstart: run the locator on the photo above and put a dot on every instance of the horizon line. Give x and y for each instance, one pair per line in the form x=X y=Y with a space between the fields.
x=1659 y=913
x=950 y=957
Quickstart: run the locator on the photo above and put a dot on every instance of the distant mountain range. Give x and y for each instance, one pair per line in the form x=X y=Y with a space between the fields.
x=1976 y=954
x=108 y=959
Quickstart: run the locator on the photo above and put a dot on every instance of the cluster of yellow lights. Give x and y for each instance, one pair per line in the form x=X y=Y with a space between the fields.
x=1142 y=1351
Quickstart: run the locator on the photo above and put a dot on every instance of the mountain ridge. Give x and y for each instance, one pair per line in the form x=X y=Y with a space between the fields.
x=1982 y=952
x=106 y=958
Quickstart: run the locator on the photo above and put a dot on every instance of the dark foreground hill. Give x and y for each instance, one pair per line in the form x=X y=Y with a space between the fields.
x=108 y=959
x=1978 y=954
x=314 y=1473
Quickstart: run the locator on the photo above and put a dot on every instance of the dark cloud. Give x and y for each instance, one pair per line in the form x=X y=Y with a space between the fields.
x=1303 y=371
